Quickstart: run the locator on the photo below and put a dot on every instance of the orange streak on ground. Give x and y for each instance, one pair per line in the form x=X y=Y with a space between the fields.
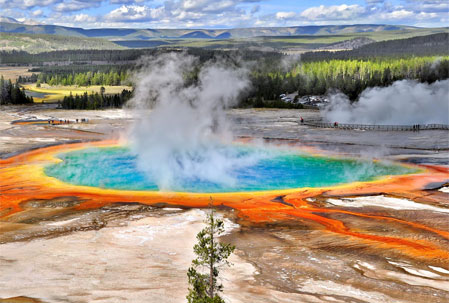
x=43 y=122
x=416 y=247
x=22 y=179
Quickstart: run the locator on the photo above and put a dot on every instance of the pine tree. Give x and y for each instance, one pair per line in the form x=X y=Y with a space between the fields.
x=211 y=255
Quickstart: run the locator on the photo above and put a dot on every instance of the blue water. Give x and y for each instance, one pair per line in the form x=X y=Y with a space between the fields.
x=34 y=94
x=116 y=168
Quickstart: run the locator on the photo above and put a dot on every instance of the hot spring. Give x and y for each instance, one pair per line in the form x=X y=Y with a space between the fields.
x=252 y=168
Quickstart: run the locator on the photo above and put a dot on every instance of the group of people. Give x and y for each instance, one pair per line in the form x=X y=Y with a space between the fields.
x=53 y=122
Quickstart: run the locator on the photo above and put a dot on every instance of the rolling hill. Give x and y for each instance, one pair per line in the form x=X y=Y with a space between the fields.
x=33 y=38
x=143 y=34
x=36 y=43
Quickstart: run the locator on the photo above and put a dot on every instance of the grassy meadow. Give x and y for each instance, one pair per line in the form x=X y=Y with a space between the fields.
x=13 y=72
x=57 y=93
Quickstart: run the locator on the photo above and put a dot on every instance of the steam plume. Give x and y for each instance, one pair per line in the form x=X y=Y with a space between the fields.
x=181 y=127
x=405 y=102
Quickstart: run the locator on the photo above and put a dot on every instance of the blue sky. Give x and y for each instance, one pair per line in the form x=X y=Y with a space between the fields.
x=225 y=13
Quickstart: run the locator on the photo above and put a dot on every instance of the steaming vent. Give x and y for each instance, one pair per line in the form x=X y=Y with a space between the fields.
x=181 y=126
x=405 y=102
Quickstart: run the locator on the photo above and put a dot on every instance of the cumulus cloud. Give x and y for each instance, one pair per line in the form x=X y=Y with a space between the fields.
x=133 y=13
x=26 y=3
x=435 y=6
x=10 y=13
x=40 y=3
x=37 y=13
x=185 y=13
x=397 y=14
x=426 y=16
x=285 y=15
x=206 y=11
x=208 y=5
x=84 y=18
x=226 y=13
x=334 y=12
x=76 y=5
x=125 y=1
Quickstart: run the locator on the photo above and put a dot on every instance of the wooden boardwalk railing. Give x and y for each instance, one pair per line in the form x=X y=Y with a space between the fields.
x=415 y=127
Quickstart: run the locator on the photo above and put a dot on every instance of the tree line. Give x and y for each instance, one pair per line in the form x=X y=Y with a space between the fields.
x=348 y=76
x=126 y=56
x=11 y=93
x=96 y=101
x=80 y=79
x=82 y=75
x=82 y=68
x=430 y=45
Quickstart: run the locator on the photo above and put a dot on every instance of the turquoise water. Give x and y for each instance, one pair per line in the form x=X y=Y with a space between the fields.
x=116 y=168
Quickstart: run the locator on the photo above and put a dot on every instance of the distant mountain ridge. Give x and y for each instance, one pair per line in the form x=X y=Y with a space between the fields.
x=34 y=38
x=8 y=20
x=7 y=25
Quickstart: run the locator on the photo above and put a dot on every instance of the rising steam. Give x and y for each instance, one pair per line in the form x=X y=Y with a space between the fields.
x=181 y=126
x=405 y=102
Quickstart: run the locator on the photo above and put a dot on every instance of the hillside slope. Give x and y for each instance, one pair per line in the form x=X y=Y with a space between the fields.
x=41 y=43
x=298 y=39
x=143 y=34
x=430 y=45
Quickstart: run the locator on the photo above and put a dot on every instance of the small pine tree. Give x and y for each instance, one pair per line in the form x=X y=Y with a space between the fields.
x=211 y=255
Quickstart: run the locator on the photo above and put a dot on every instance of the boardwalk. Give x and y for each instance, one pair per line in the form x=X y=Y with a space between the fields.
x=415 y=127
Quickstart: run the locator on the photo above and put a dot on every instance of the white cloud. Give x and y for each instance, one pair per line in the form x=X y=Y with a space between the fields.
x=133 y=13
x=125 y=1
x=223 y=14
x=11 y=13
x=39 y=3
x=398 y=14
x=83 y=18
x=285 y=15
x=76 y=5
x=334 y=12
x=29 y=21
x=374 y=2
x=187 y=13
x=206 y=7
x=37 y=13
x=425 y=16
x=33 y=3
x=20 y=4
x=430 y=6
